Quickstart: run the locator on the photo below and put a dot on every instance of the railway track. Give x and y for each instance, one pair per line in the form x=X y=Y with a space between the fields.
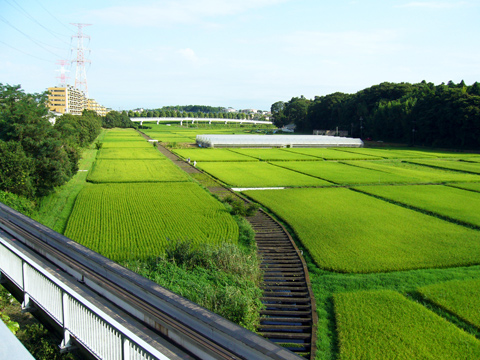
x=289 y=318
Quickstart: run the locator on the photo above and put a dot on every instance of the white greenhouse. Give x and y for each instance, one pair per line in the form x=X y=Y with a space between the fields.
x=268 y=141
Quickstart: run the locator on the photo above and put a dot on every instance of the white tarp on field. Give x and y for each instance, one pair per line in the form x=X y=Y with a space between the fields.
x=221 y=140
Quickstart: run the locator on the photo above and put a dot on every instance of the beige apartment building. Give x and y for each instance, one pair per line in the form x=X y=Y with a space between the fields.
x=69 y=100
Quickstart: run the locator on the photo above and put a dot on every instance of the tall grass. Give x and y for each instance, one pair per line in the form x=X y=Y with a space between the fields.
x=222 y=278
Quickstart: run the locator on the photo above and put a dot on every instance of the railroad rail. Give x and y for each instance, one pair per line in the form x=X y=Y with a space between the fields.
x=194 y=331
x=290 y=317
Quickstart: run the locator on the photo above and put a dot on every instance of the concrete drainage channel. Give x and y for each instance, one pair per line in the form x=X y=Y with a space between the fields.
x=289 y=318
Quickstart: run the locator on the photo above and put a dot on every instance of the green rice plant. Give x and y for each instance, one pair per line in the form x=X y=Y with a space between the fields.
x=386 y=153
x=468 y=167
x=474 y=158
x=346 y=231
x=119 y=171
x=344 y=174
x=126 y=221
x=130 y=154
x=211 y=155
x=123 y=139
x=175 y=139
x=419 y=173
x=273 y=154
x=467 y=186
x=258 y=174
x=459 y=297
x=121 y=132
x=332 y=154
x=386 y=325
x=448 y=202
x=432 y=153
x=126 y=144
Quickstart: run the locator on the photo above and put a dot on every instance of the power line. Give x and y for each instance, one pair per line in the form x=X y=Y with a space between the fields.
x=28 y=36
x=23 y=52
x=19 y=8
x=53 y=16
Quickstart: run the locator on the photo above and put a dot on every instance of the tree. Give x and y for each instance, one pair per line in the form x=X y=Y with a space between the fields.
x=24 y=119
x=15 y=169
x=295 y=112
x=278 y=117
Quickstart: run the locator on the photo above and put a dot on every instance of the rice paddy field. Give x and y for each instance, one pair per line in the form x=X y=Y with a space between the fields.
x=459 y=165
x=387 y=325
x=344 y=174
x=212 y=155
x=459 y=297
x=127 y=171
x=122 y=221
x=274 y=154
x=350 y=232
x=383 y=232
x=129 y=154
x=420 y=173
x=258 y=174
x=453 y=204
x=137 y=200
x=391 y=236
x=332 y=154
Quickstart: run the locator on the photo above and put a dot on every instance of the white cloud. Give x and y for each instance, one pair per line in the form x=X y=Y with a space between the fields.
x=434 y=4
x=170 y=12
x=189 y=55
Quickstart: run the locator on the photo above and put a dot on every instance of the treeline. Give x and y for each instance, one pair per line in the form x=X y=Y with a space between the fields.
x=185 y=114
x=446 y=115
x=193 y=108
x=35 y=155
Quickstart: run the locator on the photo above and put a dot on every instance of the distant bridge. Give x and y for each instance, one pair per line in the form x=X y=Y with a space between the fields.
x=194 y=120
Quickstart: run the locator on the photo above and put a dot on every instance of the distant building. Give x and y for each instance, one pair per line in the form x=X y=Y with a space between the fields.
x=331 y=132
x=249 y=111
x=70 y=100
x=99 y=109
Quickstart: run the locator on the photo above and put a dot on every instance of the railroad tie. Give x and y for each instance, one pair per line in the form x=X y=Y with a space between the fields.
x=288 y=316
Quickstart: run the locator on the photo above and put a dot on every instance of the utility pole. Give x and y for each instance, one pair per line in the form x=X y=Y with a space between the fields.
x=80 y=73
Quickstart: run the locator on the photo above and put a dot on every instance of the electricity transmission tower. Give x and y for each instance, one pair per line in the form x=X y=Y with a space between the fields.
x=63 y=77
x=80 y=73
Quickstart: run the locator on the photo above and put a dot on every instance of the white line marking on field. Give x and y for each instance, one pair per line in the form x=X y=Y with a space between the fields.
x=82 y=170
x=263 y=188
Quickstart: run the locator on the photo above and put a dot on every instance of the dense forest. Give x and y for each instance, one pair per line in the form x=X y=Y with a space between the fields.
x=35 y=155
x=446 y=115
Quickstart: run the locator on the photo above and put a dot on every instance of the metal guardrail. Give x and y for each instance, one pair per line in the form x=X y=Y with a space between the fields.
x=82 y=320
x=181 y=322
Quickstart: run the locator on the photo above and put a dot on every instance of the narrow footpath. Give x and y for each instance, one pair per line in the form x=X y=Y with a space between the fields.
x=289 y=318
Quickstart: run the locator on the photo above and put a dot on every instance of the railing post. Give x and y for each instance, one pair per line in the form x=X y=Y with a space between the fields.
x=27 y=305
x=125 y=348
x=66 y=344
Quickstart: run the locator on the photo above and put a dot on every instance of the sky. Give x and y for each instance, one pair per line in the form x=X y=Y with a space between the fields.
x=237 y=53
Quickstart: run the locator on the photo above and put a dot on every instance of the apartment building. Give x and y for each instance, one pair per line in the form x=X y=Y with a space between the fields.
x=69 y=100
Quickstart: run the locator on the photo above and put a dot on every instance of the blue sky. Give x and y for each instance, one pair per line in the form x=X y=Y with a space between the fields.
x=243 y=54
